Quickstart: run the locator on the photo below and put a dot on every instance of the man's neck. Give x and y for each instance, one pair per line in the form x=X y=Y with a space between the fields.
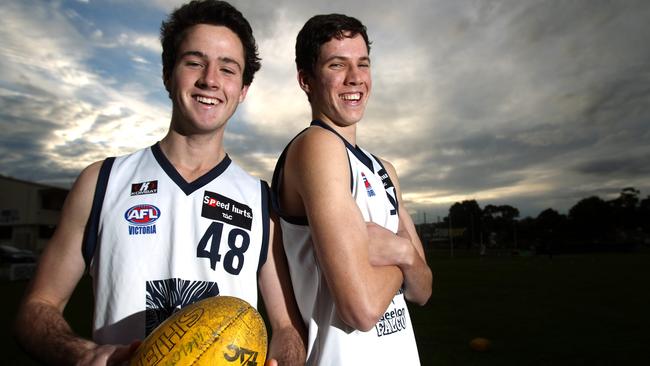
x=192 y=156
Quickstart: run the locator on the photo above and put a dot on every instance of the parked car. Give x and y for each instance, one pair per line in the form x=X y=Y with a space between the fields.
x=10 y=254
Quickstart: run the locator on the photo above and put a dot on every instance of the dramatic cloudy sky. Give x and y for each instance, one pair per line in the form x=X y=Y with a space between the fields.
x=535 y=104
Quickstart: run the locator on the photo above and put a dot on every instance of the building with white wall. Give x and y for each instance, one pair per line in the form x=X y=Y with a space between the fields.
x=29 y=212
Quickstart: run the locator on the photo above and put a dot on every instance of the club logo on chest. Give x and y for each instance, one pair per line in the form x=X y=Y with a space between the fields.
x=142 y=219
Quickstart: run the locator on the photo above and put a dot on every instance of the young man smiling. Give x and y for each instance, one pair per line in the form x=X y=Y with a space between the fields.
x=170 y=224
x=352 y=248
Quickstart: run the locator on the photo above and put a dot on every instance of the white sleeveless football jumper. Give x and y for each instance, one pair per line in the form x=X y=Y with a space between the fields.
x=155 y=243
x=330 y=340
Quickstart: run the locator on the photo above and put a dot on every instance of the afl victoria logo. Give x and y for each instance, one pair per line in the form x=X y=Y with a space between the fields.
x=142 y=214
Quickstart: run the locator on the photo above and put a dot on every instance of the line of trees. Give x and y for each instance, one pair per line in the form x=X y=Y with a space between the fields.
x=591 y=224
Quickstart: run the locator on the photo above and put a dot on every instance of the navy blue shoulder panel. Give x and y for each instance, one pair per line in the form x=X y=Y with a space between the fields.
x=265 y=224
x=275 y=187
x=92 y=226
x=387 y=184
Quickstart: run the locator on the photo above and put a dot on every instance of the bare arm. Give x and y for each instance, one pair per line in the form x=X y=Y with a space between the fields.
x=403 y=250
x=287 y=344
x=40 y=327
x=361 y=291
x=418 y=277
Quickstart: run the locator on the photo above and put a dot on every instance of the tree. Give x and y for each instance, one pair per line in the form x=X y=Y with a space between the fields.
x=591 y=219
x=644 y=214
x=506 y=213
x=466 y=214
x=629 y=197
x=624 y=210
x=500 y=220
x=550 y=226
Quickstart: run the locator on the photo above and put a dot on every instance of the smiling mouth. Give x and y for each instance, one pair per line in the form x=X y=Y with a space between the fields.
x=206 y=100
x=351 y=97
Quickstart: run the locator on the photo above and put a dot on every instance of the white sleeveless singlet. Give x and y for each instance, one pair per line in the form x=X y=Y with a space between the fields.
x=155 y=243
x=330 y=340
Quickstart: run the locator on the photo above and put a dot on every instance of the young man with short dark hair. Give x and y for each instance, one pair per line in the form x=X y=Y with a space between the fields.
x=170 y=224
x=352 y=248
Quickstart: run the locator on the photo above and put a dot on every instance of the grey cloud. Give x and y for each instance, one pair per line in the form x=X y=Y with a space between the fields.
x=469 y=96
x=79 y=147
x=103 y=119
x=629 y=165
x=22 y=151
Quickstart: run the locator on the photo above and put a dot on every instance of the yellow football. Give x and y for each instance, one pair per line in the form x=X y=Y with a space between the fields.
x=220 y=330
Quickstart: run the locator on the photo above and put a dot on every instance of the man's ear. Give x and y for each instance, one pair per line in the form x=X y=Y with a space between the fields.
x=244 y=91
x=303 y=80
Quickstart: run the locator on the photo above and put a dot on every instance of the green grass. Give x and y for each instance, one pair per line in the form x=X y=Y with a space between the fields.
x=588 y=309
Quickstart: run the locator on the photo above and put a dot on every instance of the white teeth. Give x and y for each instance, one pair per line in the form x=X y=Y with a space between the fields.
x=354 y=96
x=205 y=100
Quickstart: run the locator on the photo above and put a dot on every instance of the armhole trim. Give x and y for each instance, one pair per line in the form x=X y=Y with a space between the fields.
x=388 y=183
x=265 y=197
x=92 y=226
x=276 y=182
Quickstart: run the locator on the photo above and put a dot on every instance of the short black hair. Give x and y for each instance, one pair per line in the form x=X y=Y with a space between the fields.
x=319 y=30
x=174 y=28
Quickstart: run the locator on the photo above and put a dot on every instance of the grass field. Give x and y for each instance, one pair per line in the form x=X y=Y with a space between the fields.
x=587 y=309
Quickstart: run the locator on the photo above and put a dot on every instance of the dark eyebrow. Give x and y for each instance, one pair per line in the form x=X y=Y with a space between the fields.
x=226 y=60
x=229 y=60
x=194 y=53
x=365 y=58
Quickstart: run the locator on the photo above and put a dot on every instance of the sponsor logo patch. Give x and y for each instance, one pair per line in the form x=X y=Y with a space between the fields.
x=389 y=188
x=385 y=179
x=224 y=209
x=142 y=218
x=369 y=190
x=149 y=187
x=392 y=321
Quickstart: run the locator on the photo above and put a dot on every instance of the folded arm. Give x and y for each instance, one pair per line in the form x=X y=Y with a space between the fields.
x=403 y=249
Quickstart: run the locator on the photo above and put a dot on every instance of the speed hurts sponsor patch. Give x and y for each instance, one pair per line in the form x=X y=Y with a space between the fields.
x=221 y=208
